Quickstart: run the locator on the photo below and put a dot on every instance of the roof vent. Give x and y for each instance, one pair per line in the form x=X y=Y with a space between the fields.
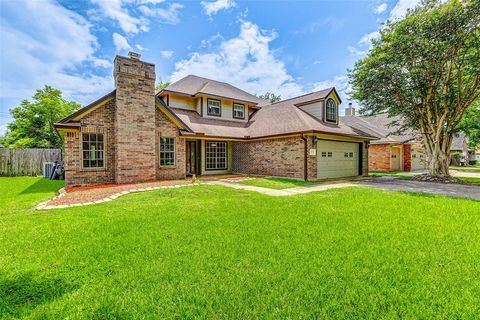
x=134 y=55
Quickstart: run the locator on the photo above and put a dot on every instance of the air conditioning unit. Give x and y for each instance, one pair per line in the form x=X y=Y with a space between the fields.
x=48 y=168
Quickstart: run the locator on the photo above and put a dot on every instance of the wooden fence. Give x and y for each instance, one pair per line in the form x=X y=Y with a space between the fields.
x=26 y=162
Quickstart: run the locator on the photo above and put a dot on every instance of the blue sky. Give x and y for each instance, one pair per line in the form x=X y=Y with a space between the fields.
x=286 y=47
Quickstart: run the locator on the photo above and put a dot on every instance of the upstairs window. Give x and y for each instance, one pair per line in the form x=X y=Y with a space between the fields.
x=167 y=152
x=331 y=111
x=238 y=111
x=214 y=107
x=93 y=150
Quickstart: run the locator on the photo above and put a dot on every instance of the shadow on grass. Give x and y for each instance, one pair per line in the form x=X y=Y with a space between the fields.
x=44 y=186
x=23 y=292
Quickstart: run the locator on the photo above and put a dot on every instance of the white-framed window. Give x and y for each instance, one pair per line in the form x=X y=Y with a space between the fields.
x=331 y=111
x=238 y=111
x=93 y=150
x=167 y=152
x=214 y=107
x=215 y=155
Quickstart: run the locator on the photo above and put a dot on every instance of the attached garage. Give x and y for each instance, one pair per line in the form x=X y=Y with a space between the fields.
x=418 y=159
x=337 y=159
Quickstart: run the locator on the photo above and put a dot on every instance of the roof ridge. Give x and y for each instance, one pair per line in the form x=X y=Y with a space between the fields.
x=369 y=126
x=303 y=95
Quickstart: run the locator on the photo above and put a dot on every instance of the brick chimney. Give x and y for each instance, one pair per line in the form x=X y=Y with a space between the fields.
x=134 y=119
x=350 y=111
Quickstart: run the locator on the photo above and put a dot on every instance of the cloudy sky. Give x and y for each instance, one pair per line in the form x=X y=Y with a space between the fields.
x=286 y=47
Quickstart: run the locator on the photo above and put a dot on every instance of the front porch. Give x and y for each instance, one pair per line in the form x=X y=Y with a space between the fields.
x=208 y=157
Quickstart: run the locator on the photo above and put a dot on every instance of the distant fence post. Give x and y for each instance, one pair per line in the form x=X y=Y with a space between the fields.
x=26 y=162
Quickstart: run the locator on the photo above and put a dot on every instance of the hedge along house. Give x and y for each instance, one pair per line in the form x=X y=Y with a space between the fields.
x=198 y=126
x=391 y=152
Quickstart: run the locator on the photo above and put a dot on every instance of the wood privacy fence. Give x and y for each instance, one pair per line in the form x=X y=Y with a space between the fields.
x=26 y=162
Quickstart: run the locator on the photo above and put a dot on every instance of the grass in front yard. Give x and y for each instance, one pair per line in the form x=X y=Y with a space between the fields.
x=277 y=183
x=399 y=174
x=471 y=180
x=215 y=252
x=467 y=169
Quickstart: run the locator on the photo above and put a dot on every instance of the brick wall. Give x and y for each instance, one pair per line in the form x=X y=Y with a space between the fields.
x=98 y=121
x=134 y=120
x=379 y=157
x=166 y=128
x=274 y=157
x=311 y=161
x=407 y=157
x=365 y=157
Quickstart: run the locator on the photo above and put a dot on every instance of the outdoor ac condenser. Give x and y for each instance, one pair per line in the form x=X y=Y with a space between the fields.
x=48 y=168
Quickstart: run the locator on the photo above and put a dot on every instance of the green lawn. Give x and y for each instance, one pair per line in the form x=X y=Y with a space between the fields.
x=277 y=183
x=215 y=252
x=467 y=169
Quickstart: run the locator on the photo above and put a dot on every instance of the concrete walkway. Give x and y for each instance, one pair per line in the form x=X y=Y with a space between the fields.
x=277 y=192
x=466 y=174
x=395 y=184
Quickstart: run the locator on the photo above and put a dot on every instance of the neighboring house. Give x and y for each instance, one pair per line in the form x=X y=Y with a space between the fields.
x=198 y=126
x=460 y=146
x=391 y=152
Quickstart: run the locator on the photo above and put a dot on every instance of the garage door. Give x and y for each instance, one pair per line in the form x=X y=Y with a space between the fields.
x=337 y=159
x=418 y=159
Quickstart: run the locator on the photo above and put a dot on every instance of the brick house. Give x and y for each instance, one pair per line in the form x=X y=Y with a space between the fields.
x=199 y=126
x=391 y=152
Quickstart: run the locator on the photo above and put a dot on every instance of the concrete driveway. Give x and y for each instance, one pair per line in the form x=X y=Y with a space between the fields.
x=458 y=173
x=395 y=184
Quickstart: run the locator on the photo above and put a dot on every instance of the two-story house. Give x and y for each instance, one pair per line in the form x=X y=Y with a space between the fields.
x=199 y=126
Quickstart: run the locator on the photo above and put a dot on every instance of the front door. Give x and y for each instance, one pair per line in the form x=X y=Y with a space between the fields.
x=191 y=156
x=395 y=159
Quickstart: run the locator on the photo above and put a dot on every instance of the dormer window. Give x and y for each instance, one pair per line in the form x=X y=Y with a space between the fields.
x=331 y=111
x=238 y=111
x=214 y=107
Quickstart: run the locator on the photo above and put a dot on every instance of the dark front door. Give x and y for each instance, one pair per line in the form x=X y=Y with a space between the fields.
x=192 y=159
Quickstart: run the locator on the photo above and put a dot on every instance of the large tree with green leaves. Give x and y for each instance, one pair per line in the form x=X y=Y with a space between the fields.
x=425 y=69
x=270 y=96
x=32 y=125
x=470 y=125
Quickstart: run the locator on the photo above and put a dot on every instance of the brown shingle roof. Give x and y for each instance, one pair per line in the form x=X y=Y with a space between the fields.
x=379 y=126
x=193 y=85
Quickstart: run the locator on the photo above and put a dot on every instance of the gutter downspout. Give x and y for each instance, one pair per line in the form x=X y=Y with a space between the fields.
x=305 y=158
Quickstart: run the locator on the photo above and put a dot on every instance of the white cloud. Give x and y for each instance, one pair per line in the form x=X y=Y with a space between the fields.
x=139 y=47
x=115 y=10
x=210 y=41
x=171 y=15
x=212 y=7
x=120 y=42
x=355 y=52
x=381 y=8
x=402 y=7
x=367 y=39
x=101 y=63
x=245 y=61
x=45 y=43
x=167 y=54
x=317 y=62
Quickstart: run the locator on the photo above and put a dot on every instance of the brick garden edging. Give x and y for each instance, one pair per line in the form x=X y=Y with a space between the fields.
x=45 y=205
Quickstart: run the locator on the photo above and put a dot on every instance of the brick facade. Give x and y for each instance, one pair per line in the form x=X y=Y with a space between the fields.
x=407 y=157
x=166 y=128
x=274 y=157
x=99 y=121
x=134 y=121
x=379 y=157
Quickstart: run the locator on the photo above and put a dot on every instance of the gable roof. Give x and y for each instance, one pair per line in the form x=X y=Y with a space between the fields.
x=90 y=107
x=193 y=85
x=308 y=98
x=379 y=126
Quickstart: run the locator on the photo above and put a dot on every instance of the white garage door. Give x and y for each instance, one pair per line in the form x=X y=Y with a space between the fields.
x=418 y=159
x=337 y=159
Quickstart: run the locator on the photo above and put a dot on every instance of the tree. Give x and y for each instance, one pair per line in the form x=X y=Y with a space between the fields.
x=470 y=125
x=425 y=69
x=270 y=96
x=32 y=125
x=161 y=85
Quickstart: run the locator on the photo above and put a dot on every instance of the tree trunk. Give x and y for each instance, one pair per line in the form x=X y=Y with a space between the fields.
x=437 y=148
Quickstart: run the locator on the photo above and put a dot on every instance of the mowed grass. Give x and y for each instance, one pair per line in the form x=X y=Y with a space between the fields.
x=215 y=252
x=277 y=183
x=467 y=169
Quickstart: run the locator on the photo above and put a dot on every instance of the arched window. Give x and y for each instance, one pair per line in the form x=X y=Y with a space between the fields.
x=331 y=111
